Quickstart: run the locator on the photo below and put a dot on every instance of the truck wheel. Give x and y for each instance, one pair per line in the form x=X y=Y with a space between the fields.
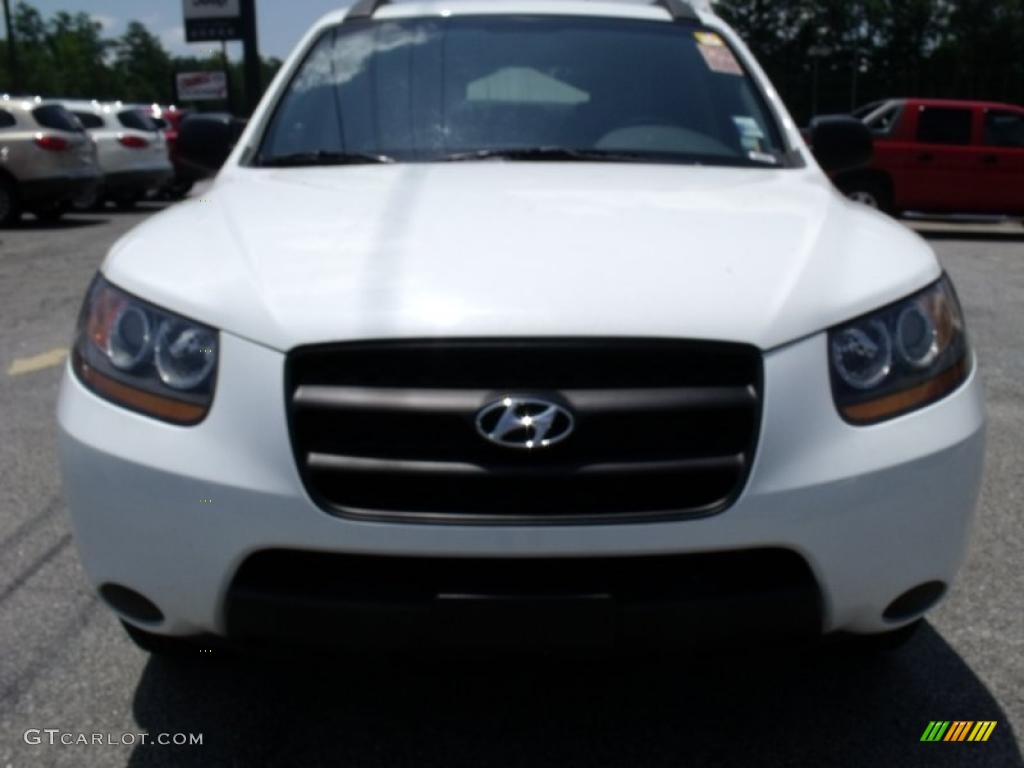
x=873 y=193
x=10 y=211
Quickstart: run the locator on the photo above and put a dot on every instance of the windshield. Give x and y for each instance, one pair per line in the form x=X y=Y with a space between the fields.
x=521 y=87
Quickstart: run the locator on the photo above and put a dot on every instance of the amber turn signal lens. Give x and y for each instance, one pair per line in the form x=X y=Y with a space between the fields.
x=901 y=357
x=911 y=399
x=164 y=408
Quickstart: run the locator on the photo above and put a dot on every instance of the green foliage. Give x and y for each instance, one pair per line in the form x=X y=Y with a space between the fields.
x=866 y=50
x=143 y=68
x=67 y=56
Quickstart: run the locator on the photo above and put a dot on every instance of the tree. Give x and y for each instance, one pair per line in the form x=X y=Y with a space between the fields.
x=874 y=49
x=142 y=66
x=5 y=75
x=865 y=50
x=67 y=56
x=37 y=69
x=983 y=54
x=79 y=55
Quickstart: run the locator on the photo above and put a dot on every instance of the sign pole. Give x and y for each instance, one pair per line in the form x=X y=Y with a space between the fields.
x=12 y=55
x=251 y=53
x=227 y=75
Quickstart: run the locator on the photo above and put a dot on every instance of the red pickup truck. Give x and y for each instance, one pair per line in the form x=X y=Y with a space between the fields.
x=942 y=156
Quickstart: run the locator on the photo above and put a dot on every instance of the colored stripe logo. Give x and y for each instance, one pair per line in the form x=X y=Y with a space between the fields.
x=958 y=730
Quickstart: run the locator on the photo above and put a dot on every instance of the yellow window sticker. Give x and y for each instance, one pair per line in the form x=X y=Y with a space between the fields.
x=709 y=38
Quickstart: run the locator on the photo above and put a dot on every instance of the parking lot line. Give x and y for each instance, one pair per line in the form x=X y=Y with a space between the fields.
x=49 y=359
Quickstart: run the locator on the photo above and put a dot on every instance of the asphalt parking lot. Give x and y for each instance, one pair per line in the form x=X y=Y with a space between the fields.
x=67 y=665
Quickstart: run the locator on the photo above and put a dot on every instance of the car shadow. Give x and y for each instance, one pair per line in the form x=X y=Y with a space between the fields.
x=819 y=707
x=973 y=235
x=147 y=207
x=69 y=221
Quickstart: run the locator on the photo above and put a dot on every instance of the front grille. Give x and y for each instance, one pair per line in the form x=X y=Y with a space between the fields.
x=388 y=430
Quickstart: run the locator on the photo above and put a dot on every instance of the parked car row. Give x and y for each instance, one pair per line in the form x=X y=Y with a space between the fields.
x=941 y=156
x=47 y=160
x=58 y=154
x=130 y=148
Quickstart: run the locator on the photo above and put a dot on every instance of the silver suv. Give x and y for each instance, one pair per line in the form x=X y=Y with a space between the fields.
x=46 y=159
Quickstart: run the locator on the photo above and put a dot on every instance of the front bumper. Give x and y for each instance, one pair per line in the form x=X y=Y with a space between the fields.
x=873 y=511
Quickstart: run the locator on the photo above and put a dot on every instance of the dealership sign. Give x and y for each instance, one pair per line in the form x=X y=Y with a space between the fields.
x=202 y=86
x=212 y=20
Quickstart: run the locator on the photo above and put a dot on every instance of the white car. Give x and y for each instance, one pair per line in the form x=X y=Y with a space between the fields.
x=520 y=320
x=46 y=159
x=132 y=151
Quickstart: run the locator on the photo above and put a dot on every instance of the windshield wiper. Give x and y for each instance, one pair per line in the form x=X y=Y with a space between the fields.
x=322 y=157
x=561 y=154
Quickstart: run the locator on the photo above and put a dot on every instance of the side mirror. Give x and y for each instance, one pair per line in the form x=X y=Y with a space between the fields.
x=841 y=143
x=206 y=140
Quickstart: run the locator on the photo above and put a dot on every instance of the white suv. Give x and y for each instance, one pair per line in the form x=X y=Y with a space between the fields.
x=521 y=320
x=132 y=151
x=46 y=159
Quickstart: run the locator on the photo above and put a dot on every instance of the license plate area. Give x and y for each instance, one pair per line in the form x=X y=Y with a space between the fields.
x=524 y=620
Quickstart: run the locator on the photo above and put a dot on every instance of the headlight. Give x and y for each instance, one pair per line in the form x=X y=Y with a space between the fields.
x=144 y=358
x=899 y=358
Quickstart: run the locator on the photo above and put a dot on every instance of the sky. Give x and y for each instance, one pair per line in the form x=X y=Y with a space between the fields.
x=280 y=23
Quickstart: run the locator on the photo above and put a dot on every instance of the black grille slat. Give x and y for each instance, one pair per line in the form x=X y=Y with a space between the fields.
x=642 y=436
x=320 y=462
x=545 y=497
x=387 y=429
x=469 y=400
x=527 y=364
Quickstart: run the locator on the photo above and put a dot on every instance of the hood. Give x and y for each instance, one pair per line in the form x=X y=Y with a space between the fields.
x=287 y=257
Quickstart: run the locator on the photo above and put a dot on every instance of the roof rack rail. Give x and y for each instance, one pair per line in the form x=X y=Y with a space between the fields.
x=364 y=9
x=679 y=10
